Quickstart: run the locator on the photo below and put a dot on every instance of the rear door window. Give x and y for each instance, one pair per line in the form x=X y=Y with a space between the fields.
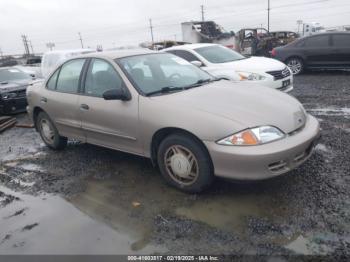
x=69 y=77
x=186 y=55
x=341 y=41
x=51 y=84
x=317 y=41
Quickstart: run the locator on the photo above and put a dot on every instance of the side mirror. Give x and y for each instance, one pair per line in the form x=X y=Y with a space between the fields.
x=197 y=63
x=116 y=94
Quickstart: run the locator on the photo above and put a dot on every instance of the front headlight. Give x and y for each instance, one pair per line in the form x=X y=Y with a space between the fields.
x=8 y=95
x=247 y=76
x=254 y=136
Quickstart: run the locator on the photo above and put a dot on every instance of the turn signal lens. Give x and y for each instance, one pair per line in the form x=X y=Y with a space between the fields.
x=244 y=138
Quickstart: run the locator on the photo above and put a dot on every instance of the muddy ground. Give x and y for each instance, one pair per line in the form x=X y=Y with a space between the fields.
x=91 y=200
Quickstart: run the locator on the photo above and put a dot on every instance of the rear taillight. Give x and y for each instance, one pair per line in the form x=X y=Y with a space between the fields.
x=273 y=52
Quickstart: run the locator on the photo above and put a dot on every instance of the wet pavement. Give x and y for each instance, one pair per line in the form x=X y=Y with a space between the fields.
x=91 y=200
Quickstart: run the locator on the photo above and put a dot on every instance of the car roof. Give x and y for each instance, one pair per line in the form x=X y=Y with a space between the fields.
x=10 y=67
x=188 y=46
x=68 y=51
x=120 y=53
x=330 y=33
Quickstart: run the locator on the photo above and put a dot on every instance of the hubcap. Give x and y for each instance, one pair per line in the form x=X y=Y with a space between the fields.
x=181 y=165
x=47 y=131
x=295 y=66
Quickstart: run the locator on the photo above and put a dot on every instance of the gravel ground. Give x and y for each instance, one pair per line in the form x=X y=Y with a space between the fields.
x=306 y=212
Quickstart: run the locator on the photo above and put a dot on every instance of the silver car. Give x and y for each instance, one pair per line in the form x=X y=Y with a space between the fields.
x=190 y=124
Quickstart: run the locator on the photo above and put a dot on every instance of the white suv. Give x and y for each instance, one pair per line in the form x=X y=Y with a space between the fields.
x=223 y=62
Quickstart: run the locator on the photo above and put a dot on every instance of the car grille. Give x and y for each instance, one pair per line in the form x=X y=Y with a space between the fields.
x=278 y=75
x=14 y=94
x=21 y=93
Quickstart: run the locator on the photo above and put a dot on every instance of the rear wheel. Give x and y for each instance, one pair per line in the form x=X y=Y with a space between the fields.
x=49 y=132
x=296 y=65
x=184 y=163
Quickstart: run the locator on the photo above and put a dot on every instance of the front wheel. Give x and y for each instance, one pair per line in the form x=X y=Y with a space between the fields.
x=184 y=163
x=49 y=132
x=296 y=65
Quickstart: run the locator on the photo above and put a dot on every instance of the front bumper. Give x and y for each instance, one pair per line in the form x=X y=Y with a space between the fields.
x=13 y=105
x=265 y=161
x=278 y=84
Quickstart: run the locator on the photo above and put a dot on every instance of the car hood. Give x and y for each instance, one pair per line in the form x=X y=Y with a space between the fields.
x=248 y=105
x=256 y=64
x=11 y=86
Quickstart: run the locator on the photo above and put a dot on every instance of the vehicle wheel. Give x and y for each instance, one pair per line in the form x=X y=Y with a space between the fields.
x=184 y=163
x=296 y=65
x=49 y=132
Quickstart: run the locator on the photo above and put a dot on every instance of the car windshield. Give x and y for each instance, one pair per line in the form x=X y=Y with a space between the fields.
x=154 y=73
x=12 y=74
x=219 y=54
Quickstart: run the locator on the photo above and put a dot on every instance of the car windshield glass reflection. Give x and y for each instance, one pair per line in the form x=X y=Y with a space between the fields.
x=219 y=54
x=13 y=74
x=163 y=73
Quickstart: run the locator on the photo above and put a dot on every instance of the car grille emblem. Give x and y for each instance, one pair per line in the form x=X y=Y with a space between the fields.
x=285 y=72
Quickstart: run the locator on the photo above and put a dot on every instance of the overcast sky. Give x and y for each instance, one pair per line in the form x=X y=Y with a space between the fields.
x=114 y=23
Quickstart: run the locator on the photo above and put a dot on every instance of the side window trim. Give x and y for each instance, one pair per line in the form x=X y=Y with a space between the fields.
x=81 y=89
x=58 y=70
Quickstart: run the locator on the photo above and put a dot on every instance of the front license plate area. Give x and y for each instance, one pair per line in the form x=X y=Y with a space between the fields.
x=286 y=83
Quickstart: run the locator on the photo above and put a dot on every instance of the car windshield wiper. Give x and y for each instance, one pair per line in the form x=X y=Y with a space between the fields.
x=164 y=90
x=200 y=82
x=219 y=79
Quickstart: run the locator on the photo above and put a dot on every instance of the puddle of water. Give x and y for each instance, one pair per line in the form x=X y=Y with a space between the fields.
x=14 y=158
x=31 y=167
x=307 y=246
x=231 y=213
x=51 y=225
x=300 y=246
x=323 y=148
x=331 y=111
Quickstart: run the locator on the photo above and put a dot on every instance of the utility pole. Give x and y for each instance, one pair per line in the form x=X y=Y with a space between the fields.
x=81 y=40
x=1 y=54
x=31 y=46
x=25 y=43
x=50 y=45
x=151 y=27
x=268 y=16
x=299 y=22
x=202 y=11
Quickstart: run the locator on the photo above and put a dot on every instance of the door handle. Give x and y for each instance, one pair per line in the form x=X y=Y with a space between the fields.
x=84 y=107
x=43 y=100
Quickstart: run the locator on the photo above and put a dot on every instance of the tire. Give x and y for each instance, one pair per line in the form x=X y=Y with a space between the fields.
x=296 y=65
x=184 y=163
x=49 y=133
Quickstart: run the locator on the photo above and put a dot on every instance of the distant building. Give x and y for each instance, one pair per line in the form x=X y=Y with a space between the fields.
x=342 y=28
x=312 y=28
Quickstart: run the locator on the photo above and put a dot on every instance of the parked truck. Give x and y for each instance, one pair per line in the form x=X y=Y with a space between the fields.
x=207 y=32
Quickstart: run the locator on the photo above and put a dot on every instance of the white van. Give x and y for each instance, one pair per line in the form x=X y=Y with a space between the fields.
x=52 y=59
